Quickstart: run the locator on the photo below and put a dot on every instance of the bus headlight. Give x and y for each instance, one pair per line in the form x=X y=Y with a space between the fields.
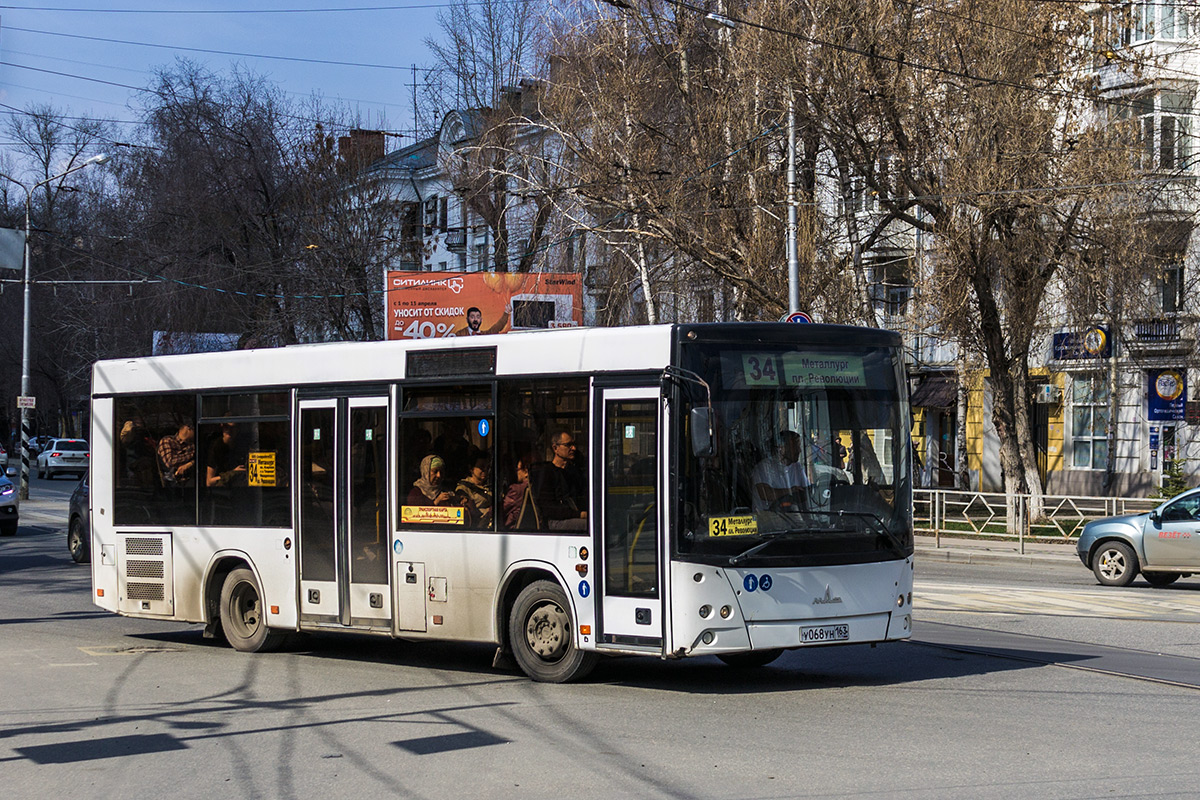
x=708 y=637
x=705 y=611
x=725 y=612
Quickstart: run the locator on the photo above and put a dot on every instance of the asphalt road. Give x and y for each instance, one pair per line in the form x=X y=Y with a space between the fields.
x=1037 y=687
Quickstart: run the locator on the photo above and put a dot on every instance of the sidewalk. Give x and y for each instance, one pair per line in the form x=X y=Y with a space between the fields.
x=44 y=511
x=987 y=551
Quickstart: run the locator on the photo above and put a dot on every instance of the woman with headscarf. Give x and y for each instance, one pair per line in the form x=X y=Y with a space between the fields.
x=427 y=490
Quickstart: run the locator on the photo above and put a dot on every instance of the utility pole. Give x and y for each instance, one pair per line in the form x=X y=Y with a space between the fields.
x=792 y=226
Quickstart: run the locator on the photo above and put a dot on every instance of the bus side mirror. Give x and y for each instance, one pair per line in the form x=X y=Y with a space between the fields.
x=701 y=429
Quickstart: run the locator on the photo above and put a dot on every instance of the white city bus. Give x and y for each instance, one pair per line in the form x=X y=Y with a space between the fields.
x=563 y=494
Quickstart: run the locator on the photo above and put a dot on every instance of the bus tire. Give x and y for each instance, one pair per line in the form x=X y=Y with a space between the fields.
x=242 y=619
x=541 y=632
x=751 y=658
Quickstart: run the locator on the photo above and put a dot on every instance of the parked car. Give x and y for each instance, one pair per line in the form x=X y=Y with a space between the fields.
x=3 y=459
x=61 y=456
x=8 y=506
x=79 y=537
x=38 y=443
x=1163 y=544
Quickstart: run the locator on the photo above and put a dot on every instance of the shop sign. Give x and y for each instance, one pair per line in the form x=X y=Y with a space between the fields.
x=1166 y=395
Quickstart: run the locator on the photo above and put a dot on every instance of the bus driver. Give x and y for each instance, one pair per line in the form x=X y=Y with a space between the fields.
x=781 y=475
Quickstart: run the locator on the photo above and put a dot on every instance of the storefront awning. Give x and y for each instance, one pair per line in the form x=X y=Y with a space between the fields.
x=936 y=391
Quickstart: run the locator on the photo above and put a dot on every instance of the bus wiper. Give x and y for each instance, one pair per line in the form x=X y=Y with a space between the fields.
x=768 y=539
x=882 y=527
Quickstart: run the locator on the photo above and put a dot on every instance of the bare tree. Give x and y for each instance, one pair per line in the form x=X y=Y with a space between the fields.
x=977 y=124
x=62 y=215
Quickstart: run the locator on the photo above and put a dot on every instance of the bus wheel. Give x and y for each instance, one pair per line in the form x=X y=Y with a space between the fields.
x=242 y=617
x=751 y=658
x=540 y=630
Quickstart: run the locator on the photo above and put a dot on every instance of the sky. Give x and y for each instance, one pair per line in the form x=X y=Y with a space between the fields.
x=83 y=56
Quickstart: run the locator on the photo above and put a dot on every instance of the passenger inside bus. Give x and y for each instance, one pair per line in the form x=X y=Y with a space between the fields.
x=559 y=486
x=520 y=509
x=221 y=465
x=177 y=456
x=455 y=449
x=428 y=489
x=475 y=493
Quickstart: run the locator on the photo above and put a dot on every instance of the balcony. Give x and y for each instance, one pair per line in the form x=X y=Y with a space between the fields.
x=1161 y=336
x=456 y=239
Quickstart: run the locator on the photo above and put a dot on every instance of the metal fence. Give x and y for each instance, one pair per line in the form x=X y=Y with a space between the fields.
x=957 y=513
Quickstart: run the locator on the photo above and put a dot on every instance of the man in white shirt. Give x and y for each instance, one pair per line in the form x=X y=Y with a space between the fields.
x=779 y=475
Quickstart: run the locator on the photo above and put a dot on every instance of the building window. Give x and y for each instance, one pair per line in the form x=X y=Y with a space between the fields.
x=1171 y=285
x=857 y=198
x=893 y=286
x=1164 y=133
x=1089 y=421
x=1132 y=23
x=431 y=214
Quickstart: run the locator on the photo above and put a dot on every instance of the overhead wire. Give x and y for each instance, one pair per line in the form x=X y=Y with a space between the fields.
x=933 y=68
x=213 y=51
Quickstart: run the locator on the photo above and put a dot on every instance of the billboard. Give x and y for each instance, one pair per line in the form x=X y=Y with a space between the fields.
x=428 y=305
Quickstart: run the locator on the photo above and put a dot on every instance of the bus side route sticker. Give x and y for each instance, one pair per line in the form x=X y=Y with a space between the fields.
x=441 y=515
x=733 y=526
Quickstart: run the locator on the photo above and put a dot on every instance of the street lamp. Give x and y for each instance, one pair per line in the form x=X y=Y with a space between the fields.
x=29 y=190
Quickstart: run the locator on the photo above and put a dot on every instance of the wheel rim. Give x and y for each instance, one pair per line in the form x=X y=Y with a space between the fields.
x=1112 y=564
x=245 y=610
x=76 y=541
x=546 y=631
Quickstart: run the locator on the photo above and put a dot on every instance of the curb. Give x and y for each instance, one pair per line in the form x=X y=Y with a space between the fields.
x=963 y=556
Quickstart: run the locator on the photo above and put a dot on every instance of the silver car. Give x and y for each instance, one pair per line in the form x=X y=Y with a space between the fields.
x=8 y=506
x=1163 y=544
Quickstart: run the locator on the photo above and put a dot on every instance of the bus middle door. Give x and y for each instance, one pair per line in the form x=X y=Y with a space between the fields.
x=342 y=533
x=630 y=584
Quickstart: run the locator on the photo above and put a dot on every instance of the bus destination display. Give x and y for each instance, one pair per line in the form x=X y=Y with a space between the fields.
x=803 y=369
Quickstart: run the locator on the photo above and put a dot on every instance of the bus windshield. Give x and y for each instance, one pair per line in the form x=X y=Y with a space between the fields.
x=810 y=456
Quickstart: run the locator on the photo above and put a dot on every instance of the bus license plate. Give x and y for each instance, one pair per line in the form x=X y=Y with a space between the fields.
x=816 y=634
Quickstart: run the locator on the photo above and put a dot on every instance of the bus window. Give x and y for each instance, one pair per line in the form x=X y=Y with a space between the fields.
x=154 y=481
x=243 y=470
x=446 y=477
x=543 y=432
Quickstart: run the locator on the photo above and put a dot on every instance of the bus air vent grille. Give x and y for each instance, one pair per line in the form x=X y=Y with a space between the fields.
x=144 y=569
x=144 y=591
x=143 y=546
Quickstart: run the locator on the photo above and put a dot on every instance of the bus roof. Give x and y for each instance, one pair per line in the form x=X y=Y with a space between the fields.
x=543 y=352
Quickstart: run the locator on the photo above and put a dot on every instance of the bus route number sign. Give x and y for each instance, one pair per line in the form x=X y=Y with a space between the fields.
x=733 y=526
x=261 y=469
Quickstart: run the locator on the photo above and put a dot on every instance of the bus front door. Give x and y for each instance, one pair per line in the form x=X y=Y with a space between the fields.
x=342 y=530
x=630 y=586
